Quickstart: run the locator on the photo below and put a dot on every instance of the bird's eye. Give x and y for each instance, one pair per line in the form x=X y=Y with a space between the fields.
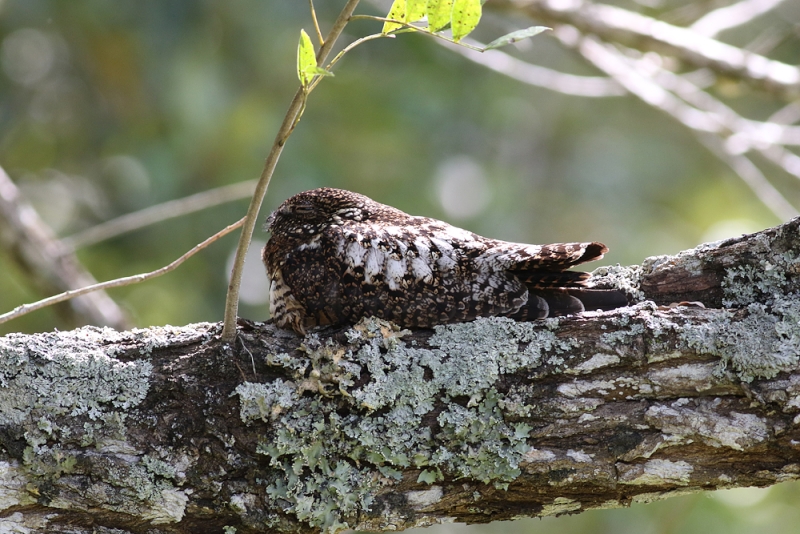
x=303 y=209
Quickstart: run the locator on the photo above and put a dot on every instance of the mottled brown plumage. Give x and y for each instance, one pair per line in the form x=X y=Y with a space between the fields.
x=336 y=256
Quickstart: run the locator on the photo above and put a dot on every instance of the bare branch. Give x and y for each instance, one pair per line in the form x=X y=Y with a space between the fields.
x=788 y=114
x=786 y=160
x=753 y=177
x=568 y=84
x=610 y=61
x=731 y=16
x=50 y=265
x=158 y=213
x=119 y=282
x=638 y=31
x=721 y=129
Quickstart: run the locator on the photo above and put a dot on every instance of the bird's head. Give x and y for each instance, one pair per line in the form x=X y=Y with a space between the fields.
x=309 y=212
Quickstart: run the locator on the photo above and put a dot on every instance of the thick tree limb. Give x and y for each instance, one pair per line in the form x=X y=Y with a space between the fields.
x=168 y=430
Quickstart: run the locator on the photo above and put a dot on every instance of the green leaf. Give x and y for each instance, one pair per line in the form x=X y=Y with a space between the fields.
x=518 y=35
x=466 y=15
x=415 y=10
x=439 y=14
x=396 y=12
x=306 y=59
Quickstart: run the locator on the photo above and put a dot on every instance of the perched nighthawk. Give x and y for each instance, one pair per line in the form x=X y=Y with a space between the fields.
x=336 y=256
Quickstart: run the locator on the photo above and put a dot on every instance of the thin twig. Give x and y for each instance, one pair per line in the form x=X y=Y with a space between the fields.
x=316 y=22
x=341 y=54
x=119 y=282
x=158 y=213
x=289 y=121
x=568 y=84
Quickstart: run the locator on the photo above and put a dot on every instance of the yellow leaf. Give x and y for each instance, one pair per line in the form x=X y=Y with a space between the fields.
x=306 y=59
x=396 y=12
x=466 y=15
x=415 y=10
x=439 y=14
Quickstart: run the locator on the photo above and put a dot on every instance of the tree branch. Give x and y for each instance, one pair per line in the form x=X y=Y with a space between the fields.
x=732 y=16
x=117 y=282
x=639 y=31
x=158 y=213
x=51 y=265
x=171 y=430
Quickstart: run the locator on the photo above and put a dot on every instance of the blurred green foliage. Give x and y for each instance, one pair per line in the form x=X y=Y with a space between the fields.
x=107 y=107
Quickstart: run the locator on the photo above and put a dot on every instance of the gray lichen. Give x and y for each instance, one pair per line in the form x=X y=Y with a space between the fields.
x=73 y=378
x=385 y=432
x=626 y=279
x=761 y=344
x=757 y=341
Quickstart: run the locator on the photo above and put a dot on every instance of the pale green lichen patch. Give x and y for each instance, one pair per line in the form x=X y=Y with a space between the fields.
x=63 y=392
x=66 y=373
x=646 y=498
x=328 y=466
x=758 y=342
x=766 y=340
x=689 y=261
x=168 y=507
x=769 y=280
x=626 y=279
x=597 y=361
x=761 y=344
x=424 y=498
x=628 y=323
x=13 y=481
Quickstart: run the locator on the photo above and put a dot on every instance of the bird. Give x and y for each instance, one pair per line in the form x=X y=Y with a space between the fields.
x=335 y=257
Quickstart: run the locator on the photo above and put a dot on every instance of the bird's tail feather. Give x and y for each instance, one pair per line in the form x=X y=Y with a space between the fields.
x=600 y=299
x=560 y=302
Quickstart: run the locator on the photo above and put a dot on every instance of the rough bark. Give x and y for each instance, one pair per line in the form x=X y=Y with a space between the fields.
x=168 y=430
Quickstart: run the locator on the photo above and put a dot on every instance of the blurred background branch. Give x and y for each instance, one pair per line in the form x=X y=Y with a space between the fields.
x=51 y=266
x=158 y=213
x=732 y=16
x=626 y=27
x=91 y=289
x=597 y=31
